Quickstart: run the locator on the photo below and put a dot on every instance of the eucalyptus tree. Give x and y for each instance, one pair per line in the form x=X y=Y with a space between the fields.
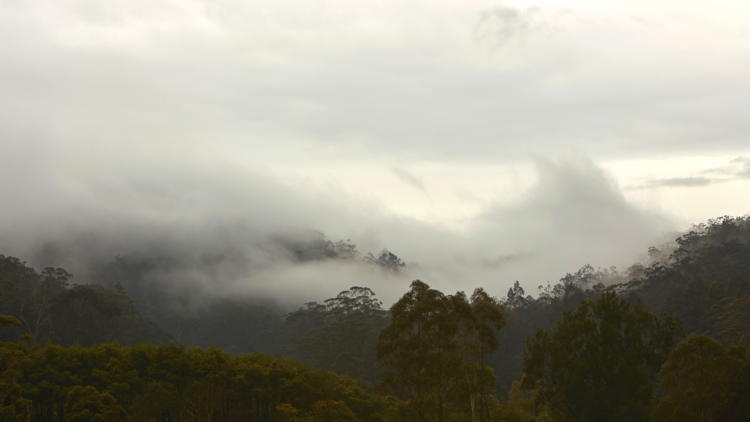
x=704 y=381
x=347 y=332
x=478 y=333
x=600 y=361
x=434 y=350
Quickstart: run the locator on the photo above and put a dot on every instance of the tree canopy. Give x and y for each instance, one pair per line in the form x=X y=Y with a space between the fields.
x=434 y=351
x=600 y=360
x=705 y=382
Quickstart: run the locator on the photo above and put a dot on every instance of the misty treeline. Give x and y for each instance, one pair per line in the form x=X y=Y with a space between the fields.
x=167 y=296
x=314 y=246
x=664 y=340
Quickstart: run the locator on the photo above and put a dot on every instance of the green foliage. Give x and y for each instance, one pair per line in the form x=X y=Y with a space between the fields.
x=89 y=405
x=349 y=325
x=8 y=321
x=704 y=382
x=599 y=361
x=434 y=350
x=704 y=277
x=732 y=325
x=419 y=349
x=108 y=382
x=28 y=295
x=448 y=367
x=524 y=315
x=521 y=407
x=13 y=362
x=332 y=411
x=51 y=310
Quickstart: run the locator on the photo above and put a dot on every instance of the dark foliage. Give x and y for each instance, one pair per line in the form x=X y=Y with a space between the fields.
x=51 y=310
x=599 y=362
x=107 y=382
x=704 y=277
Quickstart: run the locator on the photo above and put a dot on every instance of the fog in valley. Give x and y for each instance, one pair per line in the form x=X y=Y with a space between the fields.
x=272 y=151
x=227 y=232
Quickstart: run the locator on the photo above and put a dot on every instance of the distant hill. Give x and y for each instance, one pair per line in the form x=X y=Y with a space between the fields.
x=703 y=276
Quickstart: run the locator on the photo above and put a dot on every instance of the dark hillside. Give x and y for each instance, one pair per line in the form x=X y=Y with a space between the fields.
x=704 y=277
x=52 y=310
x=706 y=280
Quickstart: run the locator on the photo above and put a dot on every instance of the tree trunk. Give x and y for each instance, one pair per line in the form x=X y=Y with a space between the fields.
x=440 y=407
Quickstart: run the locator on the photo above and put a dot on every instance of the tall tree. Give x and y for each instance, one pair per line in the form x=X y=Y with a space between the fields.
x=599 y=362
x=701 y=376
x=481 y=318
x=419 y=349
x=349 y=331
x=435 y=349
x=36 y=298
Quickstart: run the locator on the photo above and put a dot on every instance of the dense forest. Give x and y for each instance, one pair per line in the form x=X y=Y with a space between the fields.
x=662 y=340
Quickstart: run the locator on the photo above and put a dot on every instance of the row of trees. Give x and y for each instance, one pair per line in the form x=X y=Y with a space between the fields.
x=50 y=309
x=440 y=341
x=108 y=382
x=605 y=360
x=600 y=361
x=703 y=276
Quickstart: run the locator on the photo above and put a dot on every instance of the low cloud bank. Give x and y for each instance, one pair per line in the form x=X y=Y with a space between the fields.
x=206 y=232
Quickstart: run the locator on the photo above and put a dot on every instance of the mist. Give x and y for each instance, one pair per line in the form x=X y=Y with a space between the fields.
x=216 y=232
x=208 y=144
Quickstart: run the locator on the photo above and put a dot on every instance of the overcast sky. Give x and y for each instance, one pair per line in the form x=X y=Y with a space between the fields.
x=481 y=141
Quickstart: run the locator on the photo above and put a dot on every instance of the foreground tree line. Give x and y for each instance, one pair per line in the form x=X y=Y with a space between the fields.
x=606 y=360
x=108 y=382
x=587 y=348
x=704 y=276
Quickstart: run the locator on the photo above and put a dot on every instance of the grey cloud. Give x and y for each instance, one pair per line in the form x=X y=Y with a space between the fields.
x=737 y=168
x=276 y=96
x=501 y=25
x=167 y=147
x=218 y=231
x=684 y=182
x=505 y=260
x=688 y=182
x=179 y=214
x=408 y=177
x=575 y=214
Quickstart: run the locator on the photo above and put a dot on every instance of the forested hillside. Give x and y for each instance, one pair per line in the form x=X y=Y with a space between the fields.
x=702 y=280
x=703 y=277
x=51 y=309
